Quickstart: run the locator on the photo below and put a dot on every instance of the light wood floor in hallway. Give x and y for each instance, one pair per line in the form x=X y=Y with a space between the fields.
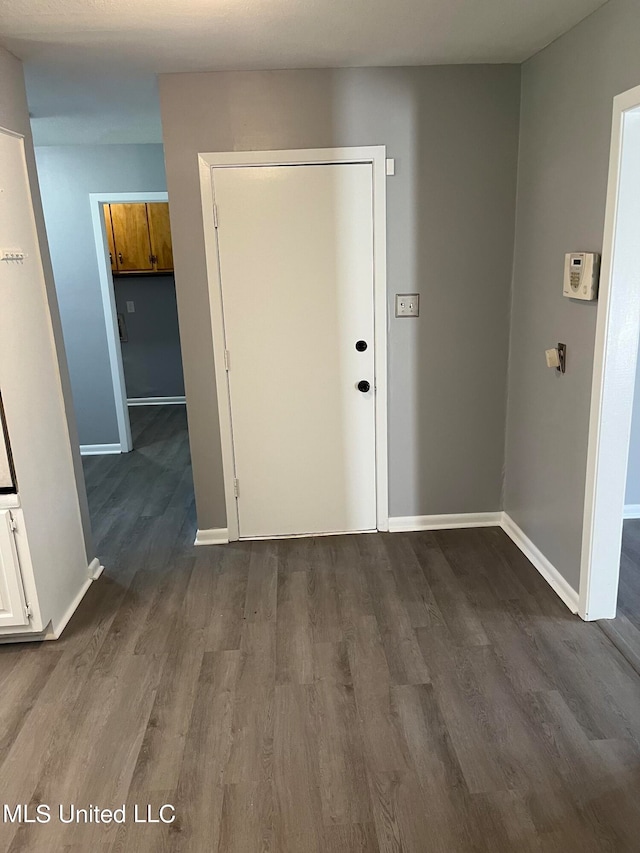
x=408 y=692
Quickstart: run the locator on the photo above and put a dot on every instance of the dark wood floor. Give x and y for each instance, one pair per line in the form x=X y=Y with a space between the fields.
x=624 y=630
x=407 y=692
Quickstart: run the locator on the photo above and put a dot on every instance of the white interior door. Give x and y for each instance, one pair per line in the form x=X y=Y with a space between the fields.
x=295 y=248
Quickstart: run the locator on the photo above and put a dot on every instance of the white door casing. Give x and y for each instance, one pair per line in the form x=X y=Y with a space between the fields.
x=614 y=368
x=296 y=278
x=96 y=201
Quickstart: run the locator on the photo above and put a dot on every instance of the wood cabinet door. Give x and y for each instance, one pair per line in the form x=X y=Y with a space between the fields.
x=160 y=231
x=131 y=237
x=108 y=227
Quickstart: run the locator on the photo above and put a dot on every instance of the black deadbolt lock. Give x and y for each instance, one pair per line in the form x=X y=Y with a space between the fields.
x=361 y=346
x=363 y=386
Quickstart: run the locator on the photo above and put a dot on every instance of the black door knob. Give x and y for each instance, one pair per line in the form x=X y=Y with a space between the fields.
x=363 y=386
x=361 y=346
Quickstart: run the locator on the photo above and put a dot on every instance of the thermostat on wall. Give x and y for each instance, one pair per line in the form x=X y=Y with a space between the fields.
x=581 y=273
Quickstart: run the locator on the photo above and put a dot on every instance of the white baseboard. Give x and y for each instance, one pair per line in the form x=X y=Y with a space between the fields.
x=156 y=401
x=99 y=449
x=499 y=519
x=213 y=536
x=54 y=631
x=95 y=569
x=449 y=521
x=631 y=511
x=548 y=571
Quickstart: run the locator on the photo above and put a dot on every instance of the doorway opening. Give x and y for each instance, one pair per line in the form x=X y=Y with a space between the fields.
x=135 y=261
x=145 y=482
x=614 y=372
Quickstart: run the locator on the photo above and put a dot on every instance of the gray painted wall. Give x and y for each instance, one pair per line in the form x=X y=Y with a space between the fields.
x=567 y=94
x=67 y=175
x=151 y=355
x=453 y=132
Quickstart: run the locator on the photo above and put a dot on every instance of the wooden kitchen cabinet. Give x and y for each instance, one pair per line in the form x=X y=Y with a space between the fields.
x=160 y=233
x=109 y=229
x=139 y=237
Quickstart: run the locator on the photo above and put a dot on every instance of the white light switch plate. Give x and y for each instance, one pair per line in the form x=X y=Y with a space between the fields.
x=407 y=305
x=553 y=359
x=131 y=307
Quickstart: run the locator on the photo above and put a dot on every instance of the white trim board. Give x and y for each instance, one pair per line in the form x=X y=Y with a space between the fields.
x=54 y=631
x=156 y=401
x=212 y=536
x=376 y=155
x=99 y=449
x=614 y=368
x=95 y=569
x=96 y=200
x=632 y=511
x=398 y=524
x=548 y=571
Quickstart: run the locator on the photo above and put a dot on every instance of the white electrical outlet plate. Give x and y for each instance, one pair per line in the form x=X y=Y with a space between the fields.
x=131 y=307
x=407 y=305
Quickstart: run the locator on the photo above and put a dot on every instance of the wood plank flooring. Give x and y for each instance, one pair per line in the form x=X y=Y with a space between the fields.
x=419 y=692
x=624 y=630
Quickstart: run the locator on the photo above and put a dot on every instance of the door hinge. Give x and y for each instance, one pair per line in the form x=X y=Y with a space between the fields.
x=13 y=525
x=227 y=360
x=28 y=612
x=236 y=487
x=215 y=215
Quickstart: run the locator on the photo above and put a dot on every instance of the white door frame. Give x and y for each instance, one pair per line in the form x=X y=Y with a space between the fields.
x=614 y=370
x=376 y=155
x=96 y=200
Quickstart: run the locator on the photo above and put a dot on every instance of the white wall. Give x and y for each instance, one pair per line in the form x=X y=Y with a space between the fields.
x=36 y=398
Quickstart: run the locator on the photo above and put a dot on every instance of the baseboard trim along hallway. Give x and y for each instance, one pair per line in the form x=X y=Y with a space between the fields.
x=632 y=511
x=548 y=571
x=213 y=536
x=99 y=449
x=405 y=524
x=400 y=524
x=156 y=401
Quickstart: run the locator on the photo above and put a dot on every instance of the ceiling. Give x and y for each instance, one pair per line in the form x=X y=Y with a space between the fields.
x=72 y=48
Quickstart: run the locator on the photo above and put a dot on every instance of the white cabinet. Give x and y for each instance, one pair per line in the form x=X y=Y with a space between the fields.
x=13 y=610
x=44 y=561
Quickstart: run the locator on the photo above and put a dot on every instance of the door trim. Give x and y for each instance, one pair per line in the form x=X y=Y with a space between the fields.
x=96 y=200
x=376 y=155
x=614 y=371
